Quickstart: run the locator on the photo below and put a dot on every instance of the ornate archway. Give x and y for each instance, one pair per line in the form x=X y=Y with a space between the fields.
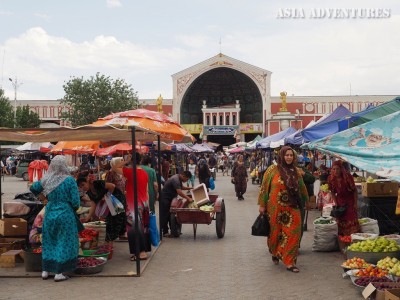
x=218 y=87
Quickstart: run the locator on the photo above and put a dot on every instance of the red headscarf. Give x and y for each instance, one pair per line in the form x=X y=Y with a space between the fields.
x=348 y=180
x=289 y=176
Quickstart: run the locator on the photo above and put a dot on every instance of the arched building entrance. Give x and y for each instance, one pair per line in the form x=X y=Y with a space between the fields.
x=222 y=100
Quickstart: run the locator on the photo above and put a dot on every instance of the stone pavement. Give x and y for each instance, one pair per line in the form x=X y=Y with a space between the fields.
x=237 y=266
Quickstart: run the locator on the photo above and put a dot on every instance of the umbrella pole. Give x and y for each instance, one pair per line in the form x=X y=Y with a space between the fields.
x=135 y=203
x=159 y=184
x=1 y=194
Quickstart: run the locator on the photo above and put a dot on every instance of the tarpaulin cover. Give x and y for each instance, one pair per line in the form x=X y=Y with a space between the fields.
x=373 y=146
x=265 y=142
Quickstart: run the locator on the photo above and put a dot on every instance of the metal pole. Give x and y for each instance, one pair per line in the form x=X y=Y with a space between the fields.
x=159 y=183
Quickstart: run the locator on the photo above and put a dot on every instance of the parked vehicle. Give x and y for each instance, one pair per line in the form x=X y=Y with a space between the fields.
x=22 y=169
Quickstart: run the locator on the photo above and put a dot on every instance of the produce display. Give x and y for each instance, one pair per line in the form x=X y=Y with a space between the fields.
x=323 y=220
x=345 y=238
x=363 y=220
x=380 y=244
x=207 y=208
x=324 y=187
x=88 y=262
x=391 y=264
x=371 y=271
x=355 y=263
x=37 y=250
x=364 y=281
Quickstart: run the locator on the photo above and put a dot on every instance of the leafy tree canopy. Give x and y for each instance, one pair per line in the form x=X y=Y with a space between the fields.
x=6 y=111
x=96 y=97
x=27 y=118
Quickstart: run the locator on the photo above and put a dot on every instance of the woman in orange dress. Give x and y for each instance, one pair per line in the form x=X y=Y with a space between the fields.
x=282 y=196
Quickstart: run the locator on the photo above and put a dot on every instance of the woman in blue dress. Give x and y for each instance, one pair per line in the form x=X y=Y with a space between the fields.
x=60 y=244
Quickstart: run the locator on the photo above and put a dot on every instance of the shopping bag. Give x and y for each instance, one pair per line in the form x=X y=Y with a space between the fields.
x=101 y=210
x=212 y=183
x=261 y=226
x=114 y=205
x=154 y=233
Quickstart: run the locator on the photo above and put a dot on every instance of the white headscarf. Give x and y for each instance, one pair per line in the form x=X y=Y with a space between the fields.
x=58 y=171
x=116 y=161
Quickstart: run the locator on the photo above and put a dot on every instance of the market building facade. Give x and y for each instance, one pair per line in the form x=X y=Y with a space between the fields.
x=225 y=100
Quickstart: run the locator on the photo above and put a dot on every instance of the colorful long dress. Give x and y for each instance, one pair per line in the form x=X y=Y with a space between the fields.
x=60 y=242
x=115 y=225
x=348 y=223
x=285 y=220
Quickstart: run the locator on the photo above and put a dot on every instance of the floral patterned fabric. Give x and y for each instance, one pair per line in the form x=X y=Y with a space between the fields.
x=285 y=219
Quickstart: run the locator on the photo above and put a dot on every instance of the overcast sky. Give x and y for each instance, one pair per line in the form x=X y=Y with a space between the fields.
x=45 y=42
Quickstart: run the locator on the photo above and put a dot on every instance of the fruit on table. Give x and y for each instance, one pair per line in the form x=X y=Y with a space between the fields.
x=371 y=271
x=379 y=244
x=387 y=263
x=364 y=281
x=355 y=263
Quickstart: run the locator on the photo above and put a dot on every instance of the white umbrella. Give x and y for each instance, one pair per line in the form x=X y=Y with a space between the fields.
x=31 y=146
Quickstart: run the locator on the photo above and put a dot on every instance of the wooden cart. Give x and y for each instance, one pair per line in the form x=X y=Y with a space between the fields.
x=182 y=215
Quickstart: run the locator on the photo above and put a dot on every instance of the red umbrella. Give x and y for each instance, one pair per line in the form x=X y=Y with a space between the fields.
x=120 y=148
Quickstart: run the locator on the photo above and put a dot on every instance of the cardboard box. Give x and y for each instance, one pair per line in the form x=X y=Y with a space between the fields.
x=7 y=244
x=379 y=189
x=393 y=294
x=9 y=258
x=13 y=227
x=200 y=195
x=374 y=294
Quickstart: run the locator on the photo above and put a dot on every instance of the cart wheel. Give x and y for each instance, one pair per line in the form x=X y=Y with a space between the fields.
x=220 y=221
x=176 y=228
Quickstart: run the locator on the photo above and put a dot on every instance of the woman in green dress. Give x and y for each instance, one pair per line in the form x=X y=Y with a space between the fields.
x=60 y=242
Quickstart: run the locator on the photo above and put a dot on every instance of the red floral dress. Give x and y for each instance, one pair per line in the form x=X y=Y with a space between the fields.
x=285 y=220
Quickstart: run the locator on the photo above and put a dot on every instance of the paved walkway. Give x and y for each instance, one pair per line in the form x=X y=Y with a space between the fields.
x=237 y=266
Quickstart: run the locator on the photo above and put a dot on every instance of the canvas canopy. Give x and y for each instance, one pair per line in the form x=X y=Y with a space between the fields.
x=373 y=146
x=265 y=142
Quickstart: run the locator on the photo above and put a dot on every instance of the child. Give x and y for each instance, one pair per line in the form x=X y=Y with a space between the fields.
x=192 y=168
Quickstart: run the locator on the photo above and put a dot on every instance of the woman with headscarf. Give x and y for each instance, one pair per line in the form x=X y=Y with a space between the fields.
x=344 y=193
x=239 y=177
x=115 y=175
x=60 y=242
x=282 y=197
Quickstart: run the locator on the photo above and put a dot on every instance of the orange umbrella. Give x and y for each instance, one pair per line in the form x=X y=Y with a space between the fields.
x=167 y=127
x=75 y=147
x=119 y=148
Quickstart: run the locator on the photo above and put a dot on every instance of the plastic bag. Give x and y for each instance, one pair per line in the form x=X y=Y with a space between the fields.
x=212 y=184
x=114 y=205
x=261 y=226
x=154 y=233
x=101 y=210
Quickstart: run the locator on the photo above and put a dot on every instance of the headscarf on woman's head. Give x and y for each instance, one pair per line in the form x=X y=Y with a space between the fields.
x=289 y=176
x=116 y=161
x=58 y=171
x=345 y=174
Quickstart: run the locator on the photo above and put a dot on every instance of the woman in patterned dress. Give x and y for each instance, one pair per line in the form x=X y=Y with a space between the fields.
x=344 y=193
x=282 y=196
x=60 y=242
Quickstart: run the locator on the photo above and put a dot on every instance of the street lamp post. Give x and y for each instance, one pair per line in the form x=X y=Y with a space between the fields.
x=16 y=85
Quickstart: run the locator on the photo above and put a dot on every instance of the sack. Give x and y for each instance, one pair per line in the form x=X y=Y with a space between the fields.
x=261 y=226
x=212 y=184
x=114 y=205
x=101 y=210
x=154 y=233
x=369 y=225
x=325 y=235
x=338 y=211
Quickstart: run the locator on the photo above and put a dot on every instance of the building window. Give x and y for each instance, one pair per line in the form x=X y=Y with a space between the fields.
x=221 y=120
x=234 y=120
x=208 y=120
x=214 y=120
x=52 y=112
x=227 y=120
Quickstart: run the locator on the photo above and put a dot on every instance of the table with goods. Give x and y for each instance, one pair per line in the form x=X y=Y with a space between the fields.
x=373 y=265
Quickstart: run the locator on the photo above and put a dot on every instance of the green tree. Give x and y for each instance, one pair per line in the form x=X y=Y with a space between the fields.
x=96 y=97
x=6 y=111
x=27 y=118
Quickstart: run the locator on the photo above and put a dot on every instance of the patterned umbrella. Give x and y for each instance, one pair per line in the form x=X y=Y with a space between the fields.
x=168 y=128
x=75 y=147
